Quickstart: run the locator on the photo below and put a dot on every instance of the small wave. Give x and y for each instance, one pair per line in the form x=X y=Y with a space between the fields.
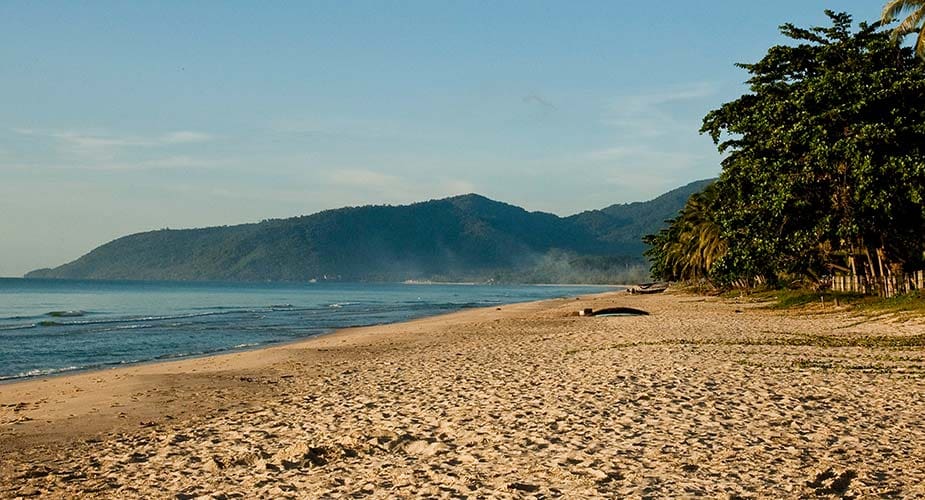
x=337 y=305
x=281 y=306
x=18 y=327
x=241 y=346
x=40 y=372
x=173 y=355
x=150 y=318
x=66 y=314
x=121 y=327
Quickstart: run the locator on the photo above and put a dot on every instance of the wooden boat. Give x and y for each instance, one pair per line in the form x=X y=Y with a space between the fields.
x=644 y=288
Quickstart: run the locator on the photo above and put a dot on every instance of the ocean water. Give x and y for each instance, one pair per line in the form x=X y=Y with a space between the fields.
x=56 y=326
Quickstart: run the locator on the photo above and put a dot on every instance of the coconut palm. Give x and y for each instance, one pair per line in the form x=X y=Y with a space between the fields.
x=687 y=249
x=914 y=12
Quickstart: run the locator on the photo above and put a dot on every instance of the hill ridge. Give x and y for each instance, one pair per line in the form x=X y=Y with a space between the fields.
x=468 y=236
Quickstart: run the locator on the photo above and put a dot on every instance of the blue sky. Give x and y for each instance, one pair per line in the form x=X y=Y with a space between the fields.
x=120 y=117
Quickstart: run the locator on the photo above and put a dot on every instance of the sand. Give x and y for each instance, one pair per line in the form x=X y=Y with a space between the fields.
x=704 y=397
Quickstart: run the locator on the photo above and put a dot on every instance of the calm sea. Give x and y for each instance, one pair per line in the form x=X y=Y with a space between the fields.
x=52 y=326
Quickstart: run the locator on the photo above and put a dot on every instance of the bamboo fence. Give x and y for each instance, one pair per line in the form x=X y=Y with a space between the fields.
x=884 y=286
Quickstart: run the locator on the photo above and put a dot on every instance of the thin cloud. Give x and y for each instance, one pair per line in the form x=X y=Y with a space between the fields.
x=102 y=141
x=655 y=141
x=165 y=163
x=185 y=137
x=654 y=114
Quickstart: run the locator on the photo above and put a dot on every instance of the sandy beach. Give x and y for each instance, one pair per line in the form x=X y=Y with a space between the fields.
x=703 y=397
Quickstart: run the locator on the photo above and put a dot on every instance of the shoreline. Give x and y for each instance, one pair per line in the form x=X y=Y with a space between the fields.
x=233 y=350
x=704 y=397
x=253 y=359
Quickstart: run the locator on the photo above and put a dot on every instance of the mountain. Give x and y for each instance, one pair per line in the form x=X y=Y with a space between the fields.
x=623 y=226
x=463 y=237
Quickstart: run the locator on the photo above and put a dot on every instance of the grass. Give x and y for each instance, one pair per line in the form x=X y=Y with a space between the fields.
x=913 y=302
x=798 y=340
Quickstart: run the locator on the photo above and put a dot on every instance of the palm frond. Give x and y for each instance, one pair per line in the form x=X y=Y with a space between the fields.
x=910 y=23
x=895 y=8
x=920 y=44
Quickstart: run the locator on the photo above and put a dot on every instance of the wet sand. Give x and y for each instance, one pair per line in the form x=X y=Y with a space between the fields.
x=704 y=397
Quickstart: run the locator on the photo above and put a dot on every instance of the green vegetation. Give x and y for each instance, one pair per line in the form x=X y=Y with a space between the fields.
x=798 y=340
x=465 y=238
x=788 y=299
x=907 y=303
x=824 y=169
x=853 y=302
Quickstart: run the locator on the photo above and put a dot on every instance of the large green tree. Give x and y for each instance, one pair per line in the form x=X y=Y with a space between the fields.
x=914 y=21
x=825 y=158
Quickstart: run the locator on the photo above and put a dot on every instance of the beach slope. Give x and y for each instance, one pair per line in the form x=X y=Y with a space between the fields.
x=702 y=397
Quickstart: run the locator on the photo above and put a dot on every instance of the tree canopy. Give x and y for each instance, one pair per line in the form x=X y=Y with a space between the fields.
x=824 y=168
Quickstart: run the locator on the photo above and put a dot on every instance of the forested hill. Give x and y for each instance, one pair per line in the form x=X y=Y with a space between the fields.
x=464 y=237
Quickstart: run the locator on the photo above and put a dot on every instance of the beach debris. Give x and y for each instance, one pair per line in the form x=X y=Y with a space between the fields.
x=648 y=288
x=529 y=488
x=828 y=482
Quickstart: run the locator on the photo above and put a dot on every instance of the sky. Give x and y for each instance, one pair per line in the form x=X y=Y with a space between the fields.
x=120 y=117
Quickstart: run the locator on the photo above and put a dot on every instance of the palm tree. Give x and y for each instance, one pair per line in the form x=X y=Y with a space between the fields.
x=914 y=10
x=687 y=249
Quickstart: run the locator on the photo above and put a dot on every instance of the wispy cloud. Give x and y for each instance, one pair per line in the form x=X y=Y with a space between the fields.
x=656 y=113
x=654 y=138
x=185 y=137
x=164 y=163
x=102 y=142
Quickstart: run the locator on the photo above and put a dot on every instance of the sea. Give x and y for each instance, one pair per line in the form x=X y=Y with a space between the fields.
x=57 y=326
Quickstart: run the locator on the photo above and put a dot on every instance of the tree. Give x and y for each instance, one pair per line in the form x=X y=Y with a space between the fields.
x=687 y=249
x=914 y=10
x=825 y=165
